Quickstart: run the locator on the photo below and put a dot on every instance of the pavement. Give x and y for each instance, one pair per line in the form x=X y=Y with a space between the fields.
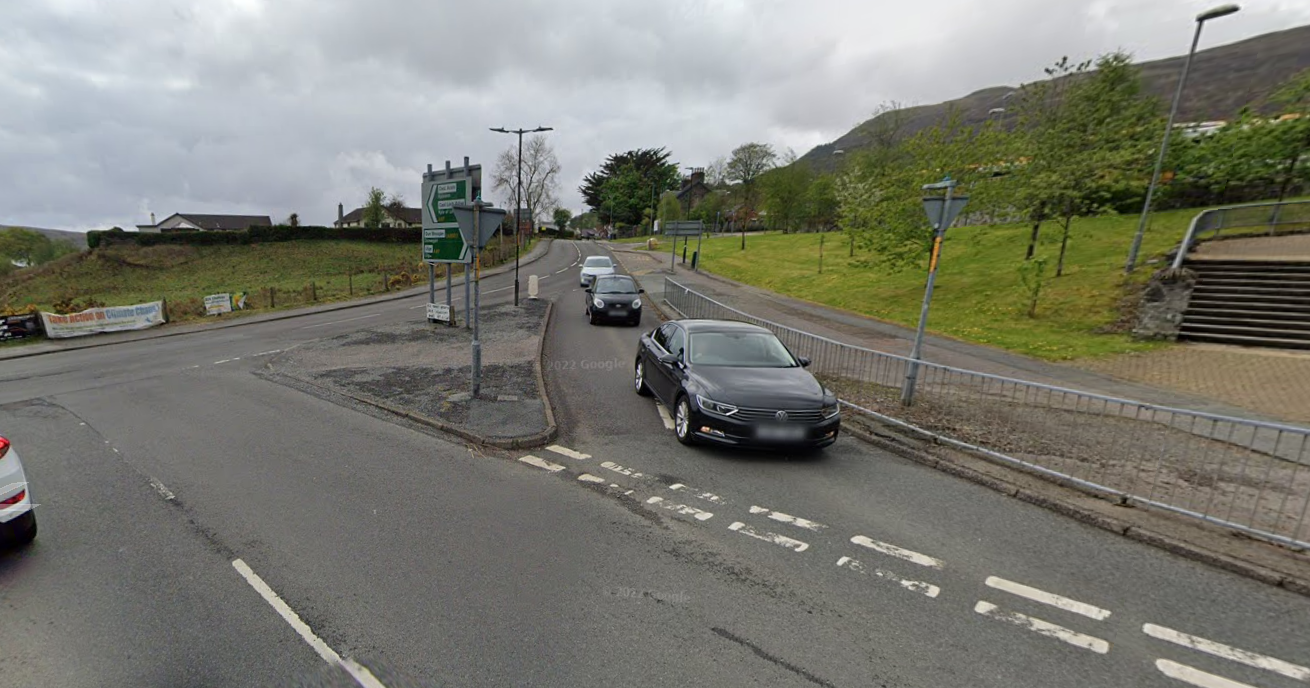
x=201 y=525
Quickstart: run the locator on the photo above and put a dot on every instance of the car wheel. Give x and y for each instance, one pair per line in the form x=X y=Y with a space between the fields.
x=639 y=380
x=591 y=317
x=27 y=535
x=682 y=422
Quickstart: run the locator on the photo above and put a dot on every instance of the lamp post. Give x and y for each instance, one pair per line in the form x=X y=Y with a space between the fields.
x=1201 y=19
x=518 y=200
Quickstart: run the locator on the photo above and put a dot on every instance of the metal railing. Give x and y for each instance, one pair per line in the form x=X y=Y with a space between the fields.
x=1248 y=475
x=1269 y=217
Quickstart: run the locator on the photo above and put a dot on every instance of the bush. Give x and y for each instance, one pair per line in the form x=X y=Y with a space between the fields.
x=258 y=235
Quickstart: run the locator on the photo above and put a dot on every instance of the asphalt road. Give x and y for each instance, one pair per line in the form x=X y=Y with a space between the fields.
x=420 y=561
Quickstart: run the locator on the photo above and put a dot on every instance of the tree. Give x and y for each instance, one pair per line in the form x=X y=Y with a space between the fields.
x=716 y=173
x=561 y=217
x=28 y=248
x=293 y=220
x=586 y=220
x=540 y=176
x=670 y=208
x=374 y=208
x=785 y=190
x=625 y=185
x=747 y=163
x=1292 y=135
x=821 y=203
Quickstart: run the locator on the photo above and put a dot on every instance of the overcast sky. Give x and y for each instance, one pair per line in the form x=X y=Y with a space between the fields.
x=111 y=109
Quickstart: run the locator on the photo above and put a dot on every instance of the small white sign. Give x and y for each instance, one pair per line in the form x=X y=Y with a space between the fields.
x=438 y=312
x=216 y=304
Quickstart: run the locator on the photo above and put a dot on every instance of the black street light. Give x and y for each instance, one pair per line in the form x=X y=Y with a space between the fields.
x=518 y=201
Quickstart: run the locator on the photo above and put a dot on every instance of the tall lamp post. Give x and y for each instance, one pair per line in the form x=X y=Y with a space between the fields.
x=518 y=200
x=1201 y=19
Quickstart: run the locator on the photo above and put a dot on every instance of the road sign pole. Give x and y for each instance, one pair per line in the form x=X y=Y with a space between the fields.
x=448 y=283
x=912 y=377
x=477 y=292
x=673 y=251
x=432 y=283
x=695 y=264
x=468 y=303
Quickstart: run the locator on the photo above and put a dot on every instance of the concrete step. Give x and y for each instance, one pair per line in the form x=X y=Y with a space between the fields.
x=1254 y=321
x=1241 y=340
x=1254 y=301
x=1219 y=312
x=1192 y=327
x=1271 y=277
x=1231 y=265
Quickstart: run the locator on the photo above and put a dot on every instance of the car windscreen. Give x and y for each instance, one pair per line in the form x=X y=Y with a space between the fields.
x=598 y=262
x=740 y=349
x=616 y=285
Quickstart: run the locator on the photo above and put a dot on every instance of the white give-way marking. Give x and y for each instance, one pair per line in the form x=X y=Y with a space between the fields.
x=916 y=586
x=783 y=540
x=1196 y=677
x=681 y=509
x=787 y=518
x=338 y=322
x=565 y=451
x=611 y=466
x=707 y=496
x=360 y=673
x=898 y=552
x=1045 y=628
x=1210 y=647
x=664 y=416
x=541 y=463
x=227 y=360
x=1044 y=597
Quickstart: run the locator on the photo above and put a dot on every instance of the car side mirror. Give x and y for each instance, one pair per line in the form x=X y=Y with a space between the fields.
x=805 y=362
x=641 y=291
x=669 y=359
x=589 y=290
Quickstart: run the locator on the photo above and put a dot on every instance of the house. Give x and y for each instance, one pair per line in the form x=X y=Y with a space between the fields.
x=693 y=190
x=194 y=222
x=391 y=217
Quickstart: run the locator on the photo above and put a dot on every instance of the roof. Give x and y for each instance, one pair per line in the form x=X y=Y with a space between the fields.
x=684 y=191
x=706 y=325
x=410 y=216
x=216 y=222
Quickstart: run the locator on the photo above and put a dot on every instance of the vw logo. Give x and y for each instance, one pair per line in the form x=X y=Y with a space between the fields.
x=781 y=415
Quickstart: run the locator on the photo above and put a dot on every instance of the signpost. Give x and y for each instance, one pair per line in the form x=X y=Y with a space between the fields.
x=942 y=211
x=677 y=229
x=442 y=242
x=477 y=221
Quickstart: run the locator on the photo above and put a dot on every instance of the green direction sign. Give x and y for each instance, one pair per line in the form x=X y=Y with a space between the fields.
x=441 y=240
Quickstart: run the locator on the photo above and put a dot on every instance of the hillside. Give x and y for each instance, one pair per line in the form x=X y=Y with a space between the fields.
x=77 y=239
x=1223 y=80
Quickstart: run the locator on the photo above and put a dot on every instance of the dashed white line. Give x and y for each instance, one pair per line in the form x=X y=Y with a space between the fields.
x=787 y=518
x=338 y=322
x=1060 y=601
x=898 y=552
x=541 y=463
x=266 y=353
x=681 y=509
x=926 y=589
x=227 y=360
x=610 y=465
x=707 y=496
x=361 y=674
x=1041 y=627
x=589 y=478
x=783 y=540
x=664 y=416
x=565 y=451
x=1210 y=647
x=1196 y=677
x=164 y=492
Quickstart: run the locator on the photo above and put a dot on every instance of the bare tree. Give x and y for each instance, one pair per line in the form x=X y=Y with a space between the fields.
x=716 y=173
x=540 y=176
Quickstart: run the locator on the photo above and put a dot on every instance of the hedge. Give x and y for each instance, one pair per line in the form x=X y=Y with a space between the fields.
x=258 y=235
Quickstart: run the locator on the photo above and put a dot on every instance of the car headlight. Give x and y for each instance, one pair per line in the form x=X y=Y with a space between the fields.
x=715 y=407
x=636 y=303
x=598 y=303
x=830 y=411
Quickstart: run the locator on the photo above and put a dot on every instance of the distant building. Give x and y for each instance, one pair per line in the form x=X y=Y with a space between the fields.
x=693 y=190
x=193 y=222
x=391 y=217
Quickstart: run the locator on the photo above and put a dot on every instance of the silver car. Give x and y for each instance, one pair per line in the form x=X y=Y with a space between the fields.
x=593 y=267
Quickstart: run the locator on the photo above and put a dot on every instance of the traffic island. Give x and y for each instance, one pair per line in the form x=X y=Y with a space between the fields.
x=421 y=372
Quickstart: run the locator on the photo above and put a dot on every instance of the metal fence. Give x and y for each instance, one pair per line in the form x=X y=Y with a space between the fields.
x=1243 y=474
x=1250 y=219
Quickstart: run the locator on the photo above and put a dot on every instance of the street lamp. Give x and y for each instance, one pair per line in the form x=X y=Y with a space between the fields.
x=518 y=200
x=1201 y=19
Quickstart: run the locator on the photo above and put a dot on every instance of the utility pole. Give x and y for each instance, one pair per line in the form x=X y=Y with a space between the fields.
x=518 y=201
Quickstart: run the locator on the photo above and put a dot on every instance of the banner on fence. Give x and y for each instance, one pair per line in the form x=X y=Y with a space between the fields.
x=217 y=304
x=19 y=326
x=98 y=320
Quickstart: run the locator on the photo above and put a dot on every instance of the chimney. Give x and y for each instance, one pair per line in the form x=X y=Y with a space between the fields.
x=341 y=213
x=698 y=176
x=152 y=219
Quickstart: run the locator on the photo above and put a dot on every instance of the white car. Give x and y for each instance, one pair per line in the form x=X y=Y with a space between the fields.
x=593 y=267
x=17 y=519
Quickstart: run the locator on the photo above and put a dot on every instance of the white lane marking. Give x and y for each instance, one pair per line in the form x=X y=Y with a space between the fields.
x=794 y=545
x=589 y=478
x=565 y=451
x=1210 y=647
x=1044 y=597
x=682 y=509
x=227 y=360
x=541 y=463
x=664 y=416
x=493 y=291
x=707 y=496
x=610 y=465
x=565 y=269
x=1196 y=677
x=787 y=518
x=338 y=322
x=191 y=367
x=164 y=492
x=926 y=589
x=266 y=353
x=1045 y=628
x=898 y=552
x=362 y=675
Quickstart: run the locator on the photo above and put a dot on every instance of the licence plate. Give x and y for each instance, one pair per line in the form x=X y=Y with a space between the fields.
x=780 y=432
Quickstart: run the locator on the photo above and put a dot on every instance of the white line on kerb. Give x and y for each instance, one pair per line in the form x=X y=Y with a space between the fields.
x=664 y=416
x=898 y=552
x=541 y=463
x=1196 y=677
x=794 y=545
x=926 y=589
x=1060 y=601
x=787 y=518
x=682 y=509
x=164 y=492
x=361 y=674
x=565 y=451
x=1251 y=659
x=1045 y=628
x=338 y=322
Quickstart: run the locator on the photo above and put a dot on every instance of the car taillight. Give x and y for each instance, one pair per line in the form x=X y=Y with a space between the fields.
x=14 y=499
x=4 y=447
